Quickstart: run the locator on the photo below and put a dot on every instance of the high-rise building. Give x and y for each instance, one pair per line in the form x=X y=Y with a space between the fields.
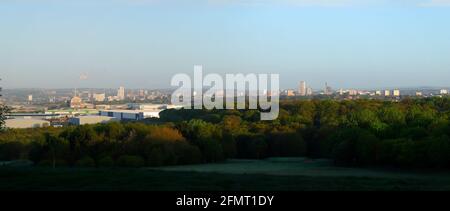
x=302 y=88
x=444 y=92
x=378 y=92
x=396 y=93
x=121 y=93
x=387 y=93
x=30 y=98
x=327 y=90
x=418 y=93
x=309 y=91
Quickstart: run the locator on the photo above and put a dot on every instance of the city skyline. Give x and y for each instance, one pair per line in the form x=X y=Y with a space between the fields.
x=142 y=44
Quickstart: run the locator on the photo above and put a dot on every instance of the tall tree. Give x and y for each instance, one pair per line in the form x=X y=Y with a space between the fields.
x=3 y=111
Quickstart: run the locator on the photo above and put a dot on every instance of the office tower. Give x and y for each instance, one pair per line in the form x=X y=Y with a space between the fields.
x=387 y=93
x=378 y=92
x=396 y=93
x=30 y=98
x=302 y=88
x=121 y=93
x=328 y=90
x=309 y=91
x=418 y=94
x=444 y=92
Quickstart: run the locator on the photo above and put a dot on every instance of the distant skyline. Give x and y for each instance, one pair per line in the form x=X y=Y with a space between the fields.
x=143 y=43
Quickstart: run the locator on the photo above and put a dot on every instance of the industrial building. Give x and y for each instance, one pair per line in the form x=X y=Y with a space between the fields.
x=83 y=120
x=26 y=123
x=130 y=114
x=139 y=106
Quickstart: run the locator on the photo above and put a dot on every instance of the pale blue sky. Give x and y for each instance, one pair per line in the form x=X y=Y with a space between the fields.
x=143 y=43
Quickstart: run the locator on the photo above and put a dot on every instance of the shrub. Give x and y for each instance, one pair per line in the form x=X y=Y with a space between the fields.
x=155 y=157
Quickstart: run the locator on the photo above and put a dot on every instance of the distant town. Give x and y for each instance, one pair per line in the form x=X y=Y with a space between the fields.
x=61 y=107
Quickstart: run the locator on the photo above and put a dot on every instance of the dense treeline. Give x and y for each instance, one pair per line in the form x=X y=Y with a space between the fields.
x=410 y=133
x=114 y=144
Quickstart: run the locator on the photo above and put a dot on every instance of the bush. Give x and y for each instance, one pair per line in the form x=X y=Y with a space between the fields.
x=155 y=157
x=12 y=151
x=130 y=161
x=106 y=161
x=86 y=161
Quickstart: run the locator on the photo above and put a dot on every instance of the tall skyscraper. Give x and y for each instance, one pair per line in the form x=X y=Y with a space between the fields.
x=387 y=93
x=302 y=88
x=121 y=93
x=327 y=90
x=396 y=93
x=309 y=91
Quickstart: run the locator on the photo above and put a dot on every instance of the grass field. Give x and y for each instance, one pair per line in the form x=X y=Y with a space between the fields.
x=275 y=174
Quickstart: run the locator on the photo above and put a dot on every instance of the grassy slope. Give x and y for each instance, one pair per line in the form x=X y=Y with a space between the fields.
x=270 y=175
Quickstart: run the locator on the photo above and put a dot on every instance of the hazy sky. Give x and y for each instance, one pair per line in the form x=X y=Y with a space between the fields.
x=143 y=43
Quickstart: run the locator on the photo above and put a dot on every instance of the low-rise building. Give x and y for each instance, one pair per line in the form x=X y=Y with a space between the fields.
x=26 y=123
x=83 y=120
x=99 y=97
x=76 y=102
x=147 y=106
x=130 y=114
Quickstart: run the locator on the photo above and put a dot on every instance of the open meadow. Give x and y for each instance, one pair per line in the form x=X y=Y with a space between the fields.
x=273 y=174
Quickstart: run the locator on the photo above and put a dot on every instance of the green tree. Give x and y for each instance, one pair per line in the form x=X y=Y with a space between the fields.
x=439 y=151
x=53 y=145
x=3 y=111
